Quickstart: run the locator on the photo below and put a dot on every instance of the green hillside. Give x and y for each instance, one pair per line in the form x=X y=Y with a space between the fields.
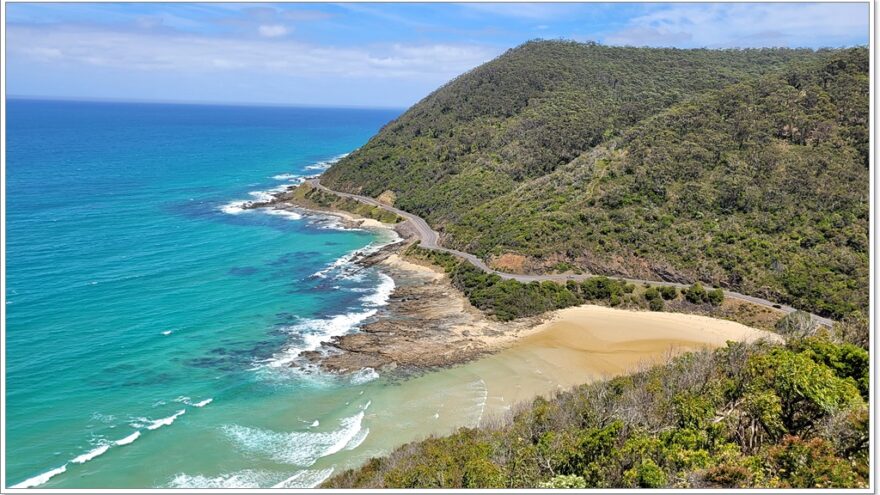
x=741 y=168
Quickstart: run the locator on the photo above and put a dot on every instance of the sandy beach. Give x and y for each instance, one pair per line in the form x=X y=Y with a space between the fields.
x=585 y=343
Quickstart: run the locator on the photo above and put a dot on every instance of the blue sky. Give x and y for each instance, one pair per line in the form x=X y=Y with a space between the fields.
x=356 y=54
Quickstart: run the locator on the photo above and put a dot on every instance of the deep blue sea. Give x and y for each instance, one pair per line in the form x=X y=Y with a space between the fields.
x=150 y=323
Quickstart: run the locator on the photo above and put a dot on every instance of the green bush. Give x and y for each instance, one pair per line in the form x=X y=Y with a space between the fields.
x=656 y=304
x=668 y=292
x=646 y=475
x=696 y=294
x=564 y=481
x=715 y=297
x=799 y=463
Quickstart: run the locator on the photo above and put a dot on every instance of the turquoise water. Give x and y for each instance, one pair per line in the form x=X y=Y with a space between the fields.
x=150 y=323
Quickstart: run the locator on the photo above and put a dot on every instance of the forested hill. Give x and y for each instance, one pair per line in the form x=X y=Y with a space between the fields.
x=742 y=168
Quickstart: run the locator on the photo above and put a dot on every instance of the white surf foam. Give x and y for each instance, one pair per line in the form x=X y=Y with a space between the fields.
x=234 y=207
x=345 y=266
x=325 y=164
x=88 y=456
x=292 y=215
x=357 y=440
x=286 y=177
x=307 y=478
x=339 y=263
x=383 y=292
x=240 y=205
x=129 y=439
x=183 y=399
x=363 y=376
x=482 y=396
x=314 y=332
x=247 y=478
x=41 y=478
x=299 y=448
x=167 y=332
x=156 y=424
x=261 y=196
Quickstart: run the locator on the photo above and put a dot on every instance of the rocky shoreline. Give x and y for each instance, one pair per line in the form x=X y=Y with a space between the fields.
x=426 y=324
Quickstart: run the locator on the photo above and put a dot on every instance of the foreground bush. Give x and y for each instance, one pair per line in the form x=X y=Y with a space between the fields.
x=744 y=416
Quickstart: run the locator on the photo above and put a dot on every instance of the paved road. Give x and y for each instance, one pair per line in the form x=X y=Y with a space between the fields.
x=429 y=239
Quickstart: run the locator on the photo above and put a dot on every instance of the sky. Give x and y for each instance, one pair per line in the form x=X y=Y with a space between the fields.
x=357 y=54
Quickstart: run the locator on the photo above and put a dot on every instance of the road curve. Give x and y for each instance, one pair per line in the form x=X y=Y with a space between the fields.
x=429 y=238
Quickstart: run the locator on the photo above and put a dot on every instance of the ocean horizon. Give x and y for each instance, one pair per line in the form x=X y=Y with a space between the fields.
x=151 y=322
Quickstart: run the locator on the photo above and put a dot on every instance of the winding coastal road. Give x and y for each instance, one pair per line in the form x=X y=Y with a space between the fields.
x=429 y=239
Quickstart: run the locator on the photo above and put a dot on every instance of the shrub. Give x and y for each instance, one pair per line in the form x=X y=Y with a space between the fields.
x=847 y=360
x=695 y=294
x=728 y=476
x=809 y=464
x=564 y=481
x=668 y=292
x=656 y=304
x=797 y=324
x=806 y=390
x=646 y=475
x=715 y=297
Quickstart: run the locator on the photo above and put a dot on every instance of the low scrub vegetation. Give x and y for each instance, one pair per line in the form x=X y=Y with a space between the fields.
x=510 y=299
x=308 y=196
x=507 y=299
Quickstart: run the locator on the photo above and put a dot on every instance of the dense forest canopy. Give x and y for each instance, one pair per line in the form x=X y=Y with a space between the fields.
x=741 y=168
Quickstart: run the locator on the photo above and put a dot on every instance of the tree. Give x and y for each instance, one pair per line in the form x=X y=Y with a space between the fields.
x=807 y=391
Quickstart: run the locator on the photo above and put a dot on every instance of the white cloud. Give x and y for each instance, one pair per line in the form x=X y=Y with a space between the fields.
x=745 y=25
x=272 y=30
x=187 y=53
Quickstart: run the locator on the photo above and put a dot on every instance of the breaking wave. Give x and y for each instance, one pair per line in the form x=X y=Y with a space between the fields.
x=41 y=478
x=298 y=448
x=311 y=333
x=325 y=164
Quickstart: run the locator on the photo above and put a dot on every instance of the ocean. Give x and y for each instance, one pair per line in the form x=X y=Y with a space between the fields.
x=151 y=323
